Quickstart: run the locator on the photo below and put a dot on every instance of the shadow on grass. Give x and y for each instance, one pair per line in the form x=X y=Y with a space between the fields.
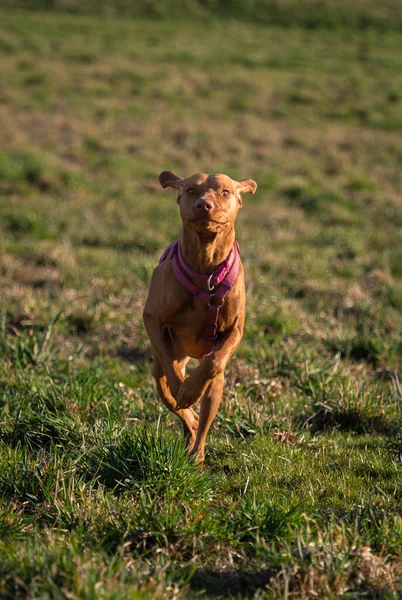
x=224 y=584
x=119 y=244
x=326 y=418
x=362 y=347
x=133 y=354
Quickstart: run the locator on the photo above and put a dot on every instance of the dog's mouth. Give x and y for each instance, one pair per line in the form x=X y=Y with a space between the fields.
x=206 y=225
x=206 y=219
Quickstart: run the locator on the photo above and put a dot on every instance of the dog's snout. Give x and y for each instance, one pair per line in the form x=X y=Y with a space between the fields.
x=204 y=204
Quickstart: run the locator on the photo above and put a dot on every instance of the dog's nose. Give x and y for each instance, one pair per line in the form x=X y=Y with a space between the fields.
x=204 y=204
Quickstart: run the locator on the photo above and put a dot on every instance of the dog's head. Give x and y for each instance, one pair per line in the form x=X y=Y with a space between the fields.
x=208 y=203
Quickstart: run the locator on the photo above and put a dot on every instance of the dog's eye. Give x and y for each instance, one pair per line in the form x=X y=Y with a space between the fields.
x=191 y=191
x=225 y=193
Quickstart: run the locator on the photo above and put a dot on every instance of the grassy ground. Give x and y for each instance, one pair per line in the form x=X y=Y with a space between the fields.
x=360 y=14
x=301 y=495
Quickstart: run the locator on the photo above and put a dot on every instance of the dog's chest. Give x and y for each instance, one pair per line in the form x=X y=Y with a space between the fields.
x=190 y=320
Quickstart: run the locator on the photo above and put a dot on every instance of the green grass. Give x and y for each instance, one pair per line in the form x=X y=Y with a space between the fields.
x=300 y=495
x=361 y=14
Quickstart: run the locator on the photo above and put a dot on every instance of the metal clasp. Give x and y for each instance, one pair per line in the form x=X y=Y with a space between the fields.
x=221 y=303
x=209 y=284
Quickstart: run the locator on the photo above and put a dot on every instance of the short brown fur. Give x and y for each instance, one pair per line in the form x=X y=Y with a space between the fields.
x=175 y=320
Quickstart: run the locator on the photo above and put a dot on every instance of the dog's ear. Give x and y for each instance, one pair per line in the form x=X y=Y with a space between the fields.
x=170 y=179
x=246 y=185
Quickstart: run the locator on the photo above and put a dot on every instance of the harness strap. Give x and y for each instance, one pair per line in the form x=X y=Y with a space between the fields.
x=220 y=283
x=187 y=283
x=217 y=276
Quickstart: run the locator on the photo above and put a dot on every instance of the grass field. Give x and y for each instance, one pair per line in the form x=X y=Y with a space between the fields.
x=301 y=493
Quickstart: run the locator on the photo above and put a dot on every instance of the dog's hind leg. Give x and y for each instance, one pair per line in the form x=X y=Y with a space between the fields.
x=188 y=416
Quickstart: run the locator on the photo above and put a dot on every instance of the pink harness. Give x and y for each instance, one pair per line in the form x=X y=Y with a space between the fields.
x=219 y=284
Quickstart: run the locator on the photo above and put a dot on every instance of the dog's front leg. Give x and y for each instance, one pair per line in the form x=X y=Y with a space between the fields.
x=194 y=387
x=209 y=407
x=161 y=347
x=187 y=415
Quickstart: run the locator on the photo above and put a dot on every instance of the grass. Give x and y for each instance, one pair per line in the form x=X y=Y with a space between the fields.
x=300 y=495
x=361 y=14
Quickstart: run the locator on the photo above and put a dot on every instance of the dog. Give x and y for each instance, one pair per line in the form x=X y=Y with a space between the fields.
x=196 y=302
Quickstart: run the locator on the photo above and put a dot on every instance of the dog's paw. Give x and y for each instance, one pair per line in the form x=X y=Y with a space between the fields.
x=189 y=394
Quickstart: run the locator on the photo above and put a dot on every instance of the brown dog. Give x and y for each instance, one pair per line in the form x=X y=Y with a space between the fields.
x=188 y=319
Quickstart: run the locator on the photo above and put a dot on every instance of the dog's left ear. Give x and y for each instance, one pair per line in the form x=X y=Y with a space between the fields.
x=246 y=185
x=170 y=179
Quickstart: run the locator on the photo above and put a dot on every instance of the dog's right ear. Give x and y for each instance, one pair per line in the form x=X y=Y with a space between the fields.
x=170 y=179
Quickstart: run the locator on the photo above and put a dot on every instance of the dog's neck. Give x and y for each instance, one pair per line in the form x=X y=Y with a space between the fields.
x=204 y=252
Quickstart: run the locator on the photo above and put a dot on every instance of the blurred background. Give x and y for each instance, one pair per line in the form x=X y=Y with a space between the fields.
x=97 y=98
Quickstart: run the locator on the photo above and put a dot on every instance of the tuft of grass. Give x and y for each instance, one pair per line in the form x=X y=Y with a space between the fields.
x=30 y=346
x=11 y=525
x=363 y=346
x=147 y=460
x=355 y=408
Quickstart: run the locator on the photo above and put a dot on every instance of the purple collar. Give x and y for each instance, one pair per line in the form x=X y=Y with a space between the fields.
x=219 y=283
